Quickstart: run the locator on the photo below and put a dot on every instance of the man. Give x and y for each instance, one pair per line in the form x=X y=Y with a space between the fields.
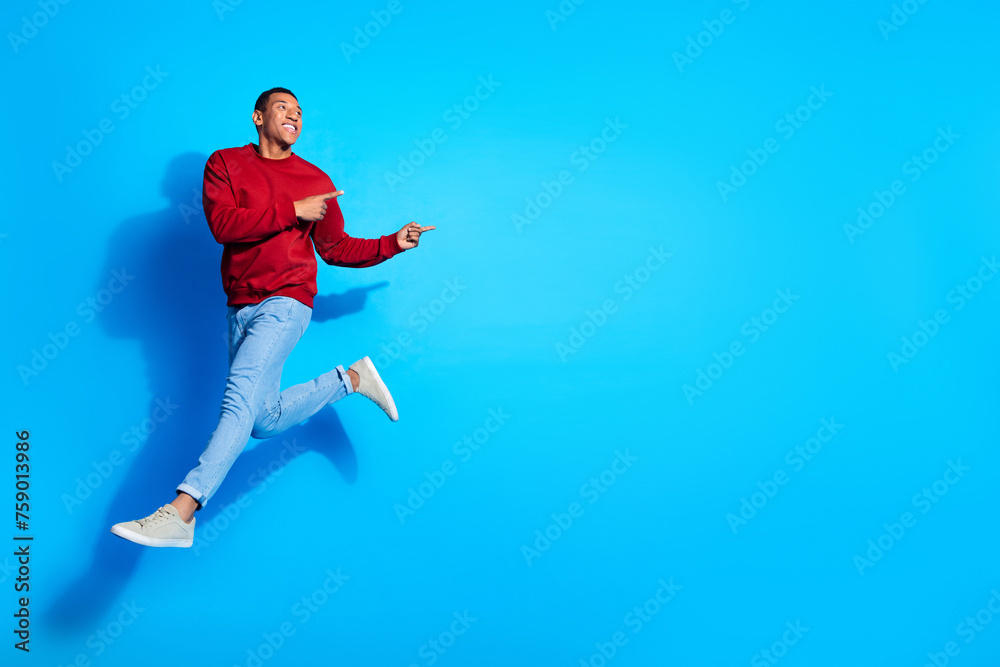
x=272 y=211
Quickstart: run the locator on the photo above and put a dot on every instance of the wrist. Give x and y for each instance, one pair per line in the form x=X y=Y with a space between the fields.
x=389 y=245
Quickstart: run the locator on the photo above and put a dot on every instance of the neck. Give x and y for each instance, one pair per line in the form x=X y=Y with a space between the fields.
x=272 y=149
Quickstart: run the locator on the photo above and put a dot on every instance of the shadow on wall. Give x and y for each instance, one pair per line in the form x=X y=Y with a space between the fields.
x=176 y=307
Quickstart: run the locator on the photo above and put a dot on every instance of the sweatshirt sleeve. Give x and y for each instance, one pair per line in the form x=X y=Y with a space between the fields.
x=338 y=249
x=233 y=224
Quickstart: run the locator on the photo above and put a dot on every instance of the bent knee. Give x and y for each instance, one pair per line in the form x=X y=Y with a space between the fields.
x=263 y=425
x=260 y=433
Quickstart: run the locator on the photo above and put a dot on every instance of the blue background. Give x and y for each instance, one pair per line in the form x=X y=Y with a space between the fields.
x=131 y=204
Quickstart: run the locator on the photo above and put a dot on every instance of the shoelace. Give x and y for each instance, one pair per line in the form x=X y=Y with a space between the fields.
x=153 y=518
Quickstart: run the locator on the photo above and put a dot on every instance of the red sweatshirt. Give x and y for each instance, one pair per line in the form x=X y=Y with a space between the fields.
x=266 y=250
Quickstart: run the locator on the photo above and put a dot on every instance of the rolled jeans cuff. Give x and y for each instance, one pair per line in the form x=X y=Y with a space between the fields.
x=193 y=492
x=346 y=378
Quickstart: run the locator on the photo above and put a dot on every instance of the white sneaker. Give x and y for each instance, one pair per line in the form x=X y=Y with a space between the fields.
x=370 y=385
x=162 y=528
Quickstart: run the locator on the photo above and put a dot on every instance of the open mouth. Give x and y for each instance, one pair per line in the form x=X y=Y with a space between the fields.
x=291 y=128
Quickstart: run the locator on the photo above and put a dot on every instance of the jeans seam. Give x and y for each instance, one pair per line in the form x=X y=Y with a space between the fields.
x=300 y=398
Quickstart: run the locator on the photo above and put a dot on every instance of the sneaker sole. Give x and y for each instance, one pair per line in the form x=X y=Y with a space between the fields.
x=150 y=542
x=393 y=413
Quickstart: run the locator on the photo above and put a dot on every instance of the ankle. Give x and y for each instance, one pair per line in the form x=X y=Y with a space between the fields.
x=355 y=379
x=184 y=509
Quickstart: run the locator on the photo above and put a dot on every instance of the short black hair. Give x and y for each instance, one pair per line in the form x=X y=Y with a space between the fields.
x=261 y=104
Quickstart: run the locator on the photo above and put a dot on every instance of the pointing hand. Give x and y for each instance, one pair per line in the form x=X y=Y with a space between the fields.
x=409 y=236
x=313 y=208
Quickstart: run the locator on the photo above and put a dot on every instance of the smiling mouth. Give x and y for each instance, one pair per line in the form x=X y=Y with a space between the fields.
x=291 y=128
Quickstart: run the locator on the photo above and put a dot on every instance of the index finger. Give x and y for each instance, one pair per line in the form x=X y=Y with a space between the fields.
x=331 y=195
x=424 y=229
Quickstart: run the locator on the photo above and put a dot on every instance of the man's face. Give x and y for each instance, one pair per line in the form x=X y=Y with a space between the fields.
x=281 y=120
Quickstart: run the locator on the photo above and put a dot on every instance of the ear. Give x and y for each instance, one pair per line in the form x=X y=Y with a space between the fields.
x=257 y=117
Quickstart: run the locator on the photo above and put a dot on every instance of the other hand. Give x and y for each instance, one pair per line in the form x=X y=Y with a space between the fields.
x=409 y=236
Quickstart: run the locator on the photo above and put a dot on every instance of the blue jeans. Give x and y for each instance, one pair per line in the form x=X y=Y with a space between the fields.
x=261 y=336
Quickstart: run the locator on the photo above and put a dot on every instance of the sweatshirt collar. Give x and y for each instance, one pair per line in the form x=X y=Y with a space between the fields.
x=252 y=148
